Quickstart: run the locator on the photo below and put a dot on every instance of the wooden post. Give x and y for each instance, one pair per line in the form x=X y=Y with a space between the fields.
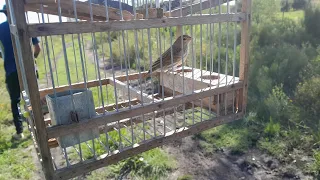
x=32 y=85
x=244 y=54
x=15 y=53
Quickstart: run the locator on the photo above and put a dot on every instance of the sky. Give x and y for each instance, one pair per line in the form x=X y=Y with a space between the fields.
x=2 y=16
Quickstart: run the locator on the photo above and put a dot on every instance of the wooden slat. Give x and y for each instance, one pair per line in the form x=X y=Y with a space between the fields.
x=62 y=130
x=109 y=107
x=32 y=86
x=196 y=7
x=138 y=119
x=40 y=1
x=195 y=80
x=112 y=107
x=64 y=13
x=152 y=13
x=244 y=54
x=87 y=166
x=133 y=92
x=133 y=76
x=94 y=83
x=83 y=10
x=53 y=143
x=86 y=27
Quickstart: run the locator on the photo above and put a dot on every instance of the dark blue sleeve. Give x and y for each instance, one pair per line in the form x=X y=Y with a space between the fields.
x=35 y=41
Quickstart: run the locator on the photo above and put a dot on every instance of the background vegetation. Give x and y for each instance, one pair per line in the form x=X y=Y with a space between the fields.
x=283 y=109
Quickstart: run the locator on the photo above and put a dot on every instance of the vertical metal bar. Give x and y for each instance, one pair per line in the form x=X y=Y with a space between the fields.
x=54 y=57
x=66 y=59
x=95 y=54
x=140 y=78
x=201 y=66
x=114 y=85
x=82 y=58
x=173 y=83
x=67 y=70
x=64 y=151
x=234 y=56
x=128 y=82
x=44 y=57
x=104 y=70
x=161 y=74
x=227 y=61
x=219 y=60
x=211 y=63
x=152 y=84
x=75 y=58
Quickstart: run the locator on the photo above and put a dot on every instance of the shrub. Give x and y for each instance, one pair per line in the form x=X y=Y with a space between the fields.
x=299 y=4
x=272 y=128
x=278 y=105
x=315 y=167
x=285 y=5
x=307 y=98
x=311 y=22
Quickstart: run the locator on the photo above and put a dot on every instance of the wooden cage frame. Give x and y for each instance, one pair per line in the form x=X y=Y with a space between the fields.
x=42 y=134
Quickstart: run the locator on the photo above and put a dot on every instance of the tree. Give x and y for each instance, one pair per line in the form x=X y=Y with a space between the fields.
x=311 y=22
x=285 y=6
x=299 y=4
x=307 y=98
x=263 y=9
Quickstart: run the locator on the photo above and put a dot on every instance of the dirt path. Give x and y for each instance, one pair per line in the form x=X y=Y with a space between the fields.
x=254 y=165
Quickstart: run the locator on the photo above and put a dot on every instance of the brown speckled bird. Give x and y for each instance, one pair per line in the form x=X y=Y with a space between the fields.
x=178 y=51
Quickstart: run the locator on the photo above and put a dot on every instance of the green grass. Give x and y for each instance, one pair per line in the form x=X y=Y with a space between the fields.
x=185 y=177
x=152 y=164
x=15 y=160
x=234 y=136
x=294 y=15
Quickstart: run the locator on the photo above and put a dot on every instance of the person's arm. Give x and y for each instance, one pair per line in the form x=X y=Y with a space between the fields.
x=37 y=48
x=1 y=50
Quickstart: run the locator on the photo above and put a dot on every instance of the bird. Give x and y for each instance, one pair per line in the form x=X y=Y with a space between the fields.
x=179 y=52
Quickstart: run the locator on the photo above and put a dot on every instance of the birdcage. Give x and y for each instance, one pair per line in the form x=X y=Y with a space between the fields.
x=99 y=98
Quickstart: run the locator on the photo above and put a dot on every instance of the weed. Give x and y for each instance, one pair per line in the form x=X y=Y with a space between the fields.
x=315 y=167
x=272 y=128
x=185 y=177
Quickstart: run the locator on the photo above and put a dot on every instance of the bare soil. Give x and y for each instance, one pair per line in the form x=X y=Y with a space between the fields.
x=221 y=165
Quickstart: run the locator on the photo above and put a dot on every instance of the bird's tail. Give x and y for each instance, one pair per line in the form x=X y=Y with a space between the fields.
x=146 y=76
